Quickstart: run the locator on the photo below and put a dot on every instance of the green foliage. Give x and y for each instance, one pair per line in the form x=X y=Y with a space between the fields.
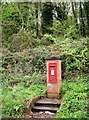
x=15 y=18
x=79 y=58
x=10 y=17
x=58 y=28
x=20 y=41
x=61 y=11
x=28 y=66
x=86 y=8
x=74 y=103
x=32 y=60
x=47 y=17
x=72 y=32
x=76 y=54
x=13 y=99
x=23 y=65
x=47 y=39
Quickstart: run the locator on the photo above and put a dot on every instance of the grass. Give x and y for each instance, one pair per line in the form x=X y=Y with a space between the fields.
x=75 y=102
x=13 y=99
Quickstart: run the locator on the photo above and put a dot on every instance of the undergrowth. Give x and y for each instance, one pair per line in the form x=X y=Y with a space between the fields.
x=14 y=99
x=75 y=101
x=24 y=76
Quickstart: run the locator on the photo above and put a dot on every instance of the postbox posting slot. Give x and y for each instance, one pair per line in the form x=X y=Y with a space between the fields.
x=52 y=70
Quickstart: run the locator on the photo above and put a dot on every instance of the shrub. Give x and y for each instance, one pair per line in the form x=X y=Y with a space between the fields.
x=20 y=41
x=29 y=63
x=76 y=54
x=47 y=39
x=72 y=32
x=58 y=28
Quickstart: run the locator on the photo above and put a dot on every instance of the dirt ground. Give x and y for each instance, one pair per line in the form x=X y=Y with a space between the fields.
x=45 y=114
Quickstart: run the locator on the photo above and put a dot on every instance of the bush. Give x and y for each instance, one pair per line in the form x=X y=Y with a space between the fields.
x=72 y=32
x=47 y=39
x=29 y=63
x=20 y=41
x=58 y=28
x=76 y=54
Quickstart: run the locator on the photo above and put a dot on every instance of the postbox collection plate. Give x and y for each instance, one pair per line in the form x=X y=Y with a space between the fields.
x=52 y=72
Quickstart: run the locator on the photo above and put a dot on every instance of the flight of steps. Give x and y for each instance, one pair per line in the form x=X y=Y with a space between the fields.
x=46 y=104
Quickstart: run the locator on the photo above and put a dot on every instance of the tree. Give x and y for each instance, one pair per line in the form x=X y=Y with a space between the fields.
x=74 y=12
x=47 y=17
x=82 y=24
x=86 y=8
x=11 y=21
x=61 y=10
x=37 y=15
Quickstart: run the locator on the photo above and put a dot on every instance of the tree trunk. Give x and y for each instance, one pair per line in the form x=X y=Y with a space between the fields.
x=17 y=6
x=74 y=13
x=37 y=19
x=86 y=8
x=82 y=24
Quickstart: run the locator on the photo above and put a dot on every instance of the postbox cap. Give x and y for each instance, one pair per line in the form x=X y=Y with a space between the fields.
x=54 y=57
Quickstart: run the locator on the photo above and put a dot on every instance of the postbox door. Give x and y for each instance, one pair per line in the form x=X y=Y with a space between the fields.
x=52 y=72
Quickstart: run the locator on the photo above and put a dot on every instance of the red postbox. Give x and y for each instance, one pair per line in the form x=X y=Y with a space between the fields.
x=53 y=76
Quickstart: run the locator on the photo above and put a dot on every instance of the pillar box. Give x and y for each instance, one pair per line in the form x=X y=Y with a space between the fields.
x=54 y=79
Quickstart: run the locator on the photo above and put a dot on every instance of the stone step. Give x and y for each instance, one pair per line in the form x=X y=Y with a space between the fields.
x=43 y=108
x=47 y=101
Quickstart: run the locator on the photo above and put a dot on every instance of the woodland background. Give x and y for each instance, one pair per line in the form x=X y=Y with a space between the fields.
x=32 y=31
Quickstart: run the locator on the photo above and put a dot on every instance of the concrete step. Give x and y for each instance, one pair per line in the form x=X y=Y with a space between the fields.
x=43 y=108
x=47 y=101
x=46 y=104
